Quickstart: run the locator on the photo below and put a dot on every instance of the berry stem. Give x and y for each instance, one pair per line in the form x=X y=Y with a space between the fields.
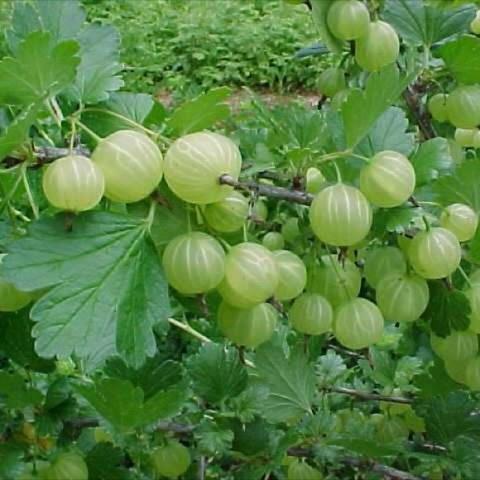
x=96 y=137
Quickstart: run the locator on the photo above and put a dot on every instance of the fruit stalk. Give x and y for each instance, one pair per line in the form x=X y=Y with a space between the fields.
x=421 y=117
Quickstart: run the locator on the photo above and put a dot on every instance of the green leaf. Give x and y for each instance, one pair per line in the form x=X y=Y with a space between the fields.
x=105 y=462
x=217 y=373
x=291 y=381
x=200 y=113
x=16 y=341
x=382 y=89
x=170 y=218
x=421 y=24
x=388 y=133
x=330 y=368
x=432 y=159
x=213 y=438
x=14 y=392
x=449 y=417
x=133 y=106
x=474 y=252
x=319 y=12
x=97 y=73
x=107 y=281
x=435 y=381
x=155 y=375
x=459 y=58
x=40 y=70
x=16 y=133
x=364 y=446
x=11 y=461
x=251 y=438
x=63 y=20
x=460 y=187
x=124 y=406
x=447 y=310
x=394 y=219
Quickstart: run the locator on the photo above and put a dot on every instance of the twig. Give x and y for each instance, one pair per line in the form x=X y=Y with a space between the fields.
x=388 y=472
x=374 y=467
x=47 y=155
x=90 y=422
x=201 y=468
x=281 y=193
x=344 y=351
x=421 y=117
x=187 y=328
x=370 y=396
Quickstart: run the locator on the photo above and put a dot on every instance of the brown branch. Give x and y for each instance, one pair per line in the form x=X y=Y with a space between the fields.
x=295 y=196
x=374 y=467
x=388 y=472
x=46 y=155
x=370 y=396
x=421 y=116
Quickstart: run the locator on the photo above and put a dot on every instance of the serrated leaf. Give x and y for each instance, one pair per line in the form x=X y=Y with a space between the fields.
x=170 y=218
x=155 y=375
x=217 y=373
x=474 y=252
x=460 y=187
x=421 y=24
x=105 y=462
x=447 y=310
x=435 y=381
x=11 y=461
x=319 y=13
x=97 y=74
x=396 y=219
x=364 y=446
x=15 y=393
x=382 y=90
x=458 y=56
x=251 y=438
x=449 y=417
x=291 y=383
x=213 y=438
x=330 y=367
x=124 y=406
x=432 y=159
x=17 y=342
x=133 y=106
x=107 y=281
x=389 y=132
x=41 y=69
x=200 y=113
x=63 y=20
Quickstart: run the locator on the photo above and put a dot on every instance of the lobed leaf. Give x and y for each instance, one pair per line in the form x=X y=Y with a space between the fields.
x=459 y=56
x=107 y=283
x=421 y=24
x=200 y=113
x=291 y=383
x=382 y=90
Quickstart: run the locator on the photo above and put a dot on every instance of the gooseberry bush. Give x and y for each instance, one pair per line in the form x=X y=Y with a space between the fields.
x=281 y=293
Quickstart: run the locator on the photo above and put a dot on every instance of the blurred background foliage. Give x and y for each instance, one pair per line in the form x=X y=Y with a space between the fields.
x=188 y=46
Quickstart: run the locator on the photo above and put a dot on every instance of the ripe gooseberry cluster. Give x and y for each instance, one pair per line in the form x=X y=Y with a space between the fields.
x=249 y=274
x=376 y=44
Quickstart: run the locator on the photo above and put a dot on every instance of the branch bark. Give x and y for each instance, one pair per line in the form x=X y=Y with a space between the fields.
x=374 y=467
x=47 y=155
x=295 y=196
x=370 y=396
x=417 y=110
